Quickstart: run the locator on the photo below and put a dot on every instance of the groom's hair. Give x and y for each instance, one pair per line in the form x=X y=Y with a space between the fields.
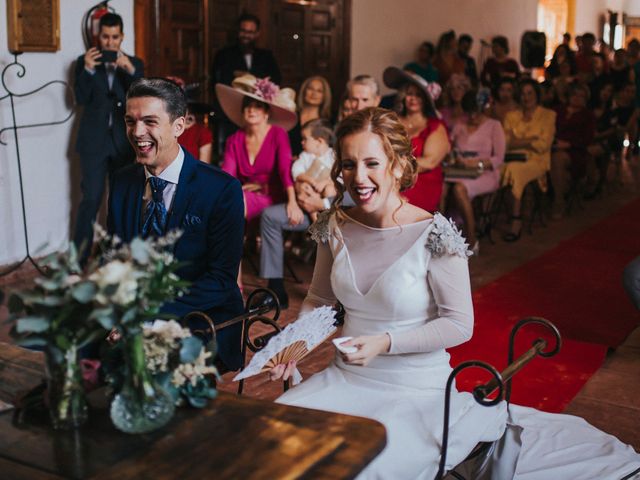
x=175 y=101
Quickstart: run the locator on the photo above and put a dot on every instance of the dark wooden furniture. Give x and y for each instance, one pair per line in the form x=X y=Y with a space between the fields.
x=233 y=438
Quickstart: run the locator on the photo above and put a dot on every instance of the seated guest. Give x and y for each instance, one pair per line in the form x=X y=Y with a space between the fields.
x=504 y=99
x=562 y=54
x=480 y=144
x=603 y=140
x=620 y=71
x=314 y=102
x=575 y=126
x=311 y=172
x=500 y=65
x=584 y=65
x=204 y=202
x=447 y=60
x=345 y=108
x=363 y=91
x=465 y=42
x=196 y=138
x=599 y=76
x=561 y=82
x=423 y=65
x=427 y=132
x=529 y=132
x=455 y=89
x=258 y=154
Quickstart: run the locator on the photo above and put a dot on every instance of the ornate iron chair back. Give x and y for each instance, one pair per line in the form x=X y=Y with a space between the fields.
x=500 y=381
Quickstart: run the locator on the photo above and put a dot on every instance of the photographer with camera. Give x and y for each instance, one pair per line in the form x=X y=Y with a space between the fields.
x=102 y=77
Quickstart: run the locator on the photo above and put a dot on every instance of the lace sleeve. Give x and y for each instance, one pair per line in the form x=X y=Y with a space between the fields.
x=445 y=238
x=319 y=231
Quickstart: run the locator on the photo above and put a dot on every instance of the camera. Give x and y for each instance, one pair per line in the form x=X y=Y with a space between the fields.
x=109 y=56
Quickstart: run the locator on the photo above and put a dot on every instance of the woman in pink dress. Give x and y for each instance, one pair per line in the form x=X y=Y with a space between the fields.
x=258 y=154
x=480 y=144
x=427 y=132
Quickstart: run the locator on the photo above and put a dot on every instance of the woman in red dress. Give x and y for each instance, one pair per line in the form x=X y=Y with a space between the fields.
x=427 y=132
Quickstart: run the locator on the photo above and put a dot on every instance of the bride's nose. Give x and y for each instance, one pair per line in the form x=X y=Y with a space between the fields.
x=361 y=172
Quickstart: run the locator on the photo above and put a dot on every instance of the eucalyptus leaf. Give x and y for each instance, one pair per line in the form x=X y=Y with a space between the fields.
x=32 y=325
x=190 y=350
x=84 y=292
x=52 y=301
x=62 y=342
x=32 y=341
x=48 y=283
x=129 y=315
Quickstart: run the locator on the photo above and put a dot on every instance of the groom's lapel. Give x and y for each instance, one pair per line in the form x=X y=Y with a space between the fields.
x=136 y=192
x=184 y=192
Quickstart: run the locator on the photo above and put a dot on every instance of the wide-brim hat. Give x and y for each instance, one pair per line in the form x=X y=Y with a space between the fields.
x=281 y=101
x=396 y=78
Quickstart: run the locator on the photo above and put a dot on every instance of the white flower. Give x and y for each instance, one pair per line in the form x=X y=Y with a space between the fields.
x=117 y=273
x=72 y=280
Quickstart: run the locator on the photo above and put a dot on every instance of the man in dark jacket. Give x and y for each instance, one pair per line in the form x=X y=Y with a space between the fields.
x=102 y=77
x=235 y=60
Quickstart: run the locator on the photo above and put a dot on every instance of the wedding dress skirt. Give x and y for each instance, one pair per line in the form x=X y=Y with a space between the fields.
x=405 y=392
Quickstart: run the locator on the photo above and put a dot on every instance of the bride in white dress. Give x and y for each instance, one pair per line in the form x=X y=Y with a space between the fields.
x=402 y=276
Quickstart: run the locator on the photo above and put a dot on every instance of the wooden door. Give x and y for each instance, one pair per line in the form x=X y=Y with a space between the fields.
x=170 y=37
x=311 y=38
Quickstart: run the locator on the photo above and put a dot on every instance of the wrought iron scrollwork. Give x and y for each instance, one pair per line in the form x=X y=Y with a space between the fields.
x=15 y=127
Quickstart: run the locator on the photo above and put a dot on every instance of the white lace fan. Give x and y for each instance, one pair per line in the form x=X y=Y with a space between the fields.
x=295 y=342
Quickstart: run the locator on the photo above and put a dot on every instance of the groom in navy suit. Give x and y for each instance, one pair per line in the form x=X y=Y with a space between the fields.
x=168 y=189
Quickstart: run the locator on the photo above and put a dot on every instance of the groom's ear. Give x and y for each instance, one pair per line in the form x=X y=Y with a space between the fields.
x=178 y=126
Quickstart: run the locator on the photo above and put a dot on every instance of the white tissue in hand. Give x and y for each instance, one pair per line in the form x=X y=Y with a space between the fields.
x=344 y=349
x=312 y=328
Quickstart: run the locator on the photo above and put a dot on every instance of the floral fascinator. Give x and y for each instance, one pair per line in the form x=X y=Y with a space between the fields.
x=397 y=78
x=282 y=111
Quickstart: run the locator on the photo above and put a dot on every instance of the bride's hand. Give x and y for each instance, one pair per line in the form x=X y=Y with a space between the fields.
x=282 y=371
x=368 y=347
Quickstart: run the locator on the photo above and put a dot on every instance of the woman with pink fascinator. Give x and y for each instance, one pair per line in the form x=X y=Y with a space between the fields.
x=415 y=105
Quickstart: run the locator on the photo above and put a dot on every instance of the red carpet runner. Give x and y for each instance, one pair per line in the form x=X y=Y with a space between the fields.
x=578 y=287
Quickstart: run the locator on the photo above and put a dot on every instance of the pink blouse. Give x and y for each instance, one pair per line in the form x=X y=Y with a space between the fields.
x=271 y=168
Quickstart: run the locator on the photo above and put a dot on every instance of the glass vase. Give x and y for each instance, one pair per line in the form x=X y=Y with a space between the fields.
x=65 y=392
x=141 y=405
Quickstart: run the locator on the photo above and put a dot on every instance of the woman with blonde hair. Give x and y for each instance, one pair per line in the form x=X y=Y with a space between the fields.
x=314 y=101
x=402 y=276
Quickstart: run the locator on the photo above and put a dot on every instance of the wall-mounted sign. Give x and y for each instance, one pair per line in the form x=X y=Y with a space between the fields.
x=33 y=25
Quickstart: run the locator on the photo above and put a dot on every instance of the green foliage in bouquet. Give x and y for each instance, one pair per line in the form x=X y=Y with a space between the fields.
x=55 y=314
x=178 y=362
x=134 y=281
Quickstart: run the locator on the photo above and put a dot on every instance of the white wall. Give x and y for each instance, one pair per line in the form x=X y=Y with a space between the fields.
x=49 y=163
x=382 y=35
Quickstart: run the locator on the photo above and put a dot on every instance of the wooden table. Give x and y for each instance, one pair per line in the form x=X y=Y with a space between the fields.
x=233 y=438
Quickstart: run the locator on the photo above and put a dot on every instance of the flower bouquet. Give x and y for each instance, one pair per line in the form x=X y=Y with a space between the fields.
x=56 y=316
x=134 y=282
x=177 y=362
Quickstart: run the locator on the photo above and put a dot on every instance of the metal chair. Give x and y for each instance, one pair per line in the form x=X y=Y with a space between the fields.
x=501 y=381
x=254 y=314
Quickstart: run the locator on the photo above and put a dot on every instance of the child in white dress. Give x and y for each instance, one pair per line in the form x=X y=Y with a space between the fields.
x=312 y=170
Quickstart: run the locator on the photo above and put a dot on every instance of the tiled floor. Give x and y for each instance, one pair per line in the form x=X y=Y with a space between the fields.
x=611 y=398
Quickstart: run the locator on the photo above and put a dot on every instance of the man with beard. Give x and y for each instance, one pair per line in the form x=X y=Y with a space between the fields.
x=235 y=60
x=169 y=189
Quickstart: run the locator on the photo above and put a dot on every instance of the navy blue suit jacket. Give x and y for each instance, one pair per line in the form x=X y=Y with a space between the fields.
x=208 y=207
x=100 y=103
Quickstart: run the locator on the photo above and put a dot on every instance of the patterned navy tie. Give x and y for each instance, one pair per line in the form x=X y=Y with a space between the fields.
x=155 y=216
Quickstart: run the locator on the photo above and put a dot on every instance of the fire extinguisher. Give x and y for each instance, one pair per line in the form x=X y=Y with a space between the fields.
x=91 y=23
